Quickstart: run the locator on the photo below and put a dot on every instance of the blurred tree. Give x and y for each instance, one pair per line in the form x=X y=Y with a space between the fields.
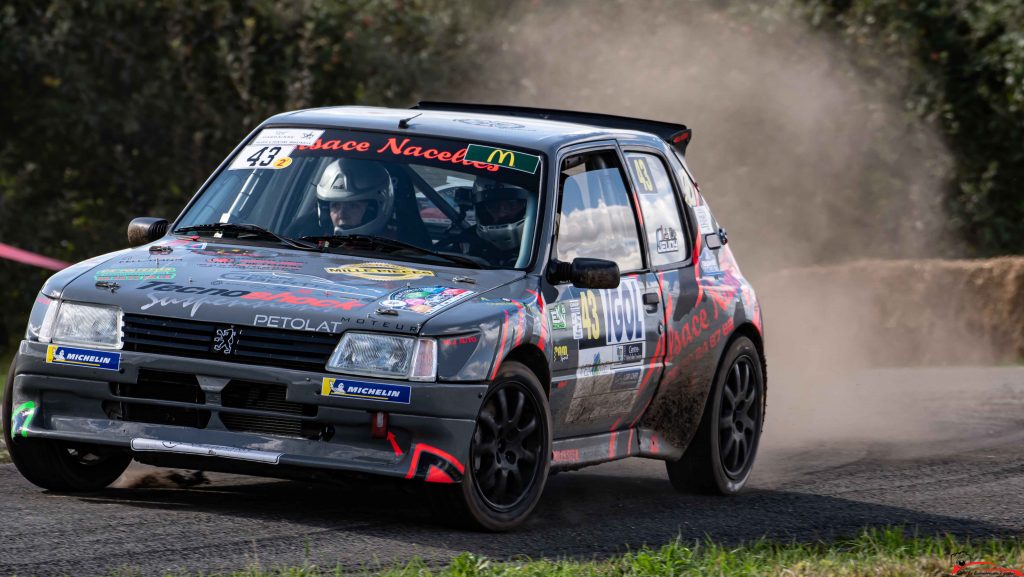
x=121 y=108
x=965 y=61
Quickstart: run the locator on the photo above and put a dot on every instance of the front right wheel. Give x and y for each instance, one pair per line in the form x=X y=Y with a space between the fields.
x=509 y=453
x=721 y=454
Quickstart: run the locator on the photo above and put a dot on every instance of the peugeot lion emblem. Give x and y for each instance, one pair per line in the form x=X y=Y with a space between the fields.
x=224 y=340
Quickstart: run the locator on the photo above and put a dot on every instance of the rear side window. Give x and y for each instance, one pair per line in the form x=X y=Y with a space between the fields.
x=596 y=219
x=666 y=237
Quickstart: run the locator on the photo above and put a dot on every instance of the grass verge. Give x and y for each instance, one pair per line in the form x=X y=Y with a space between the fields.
x=890 y=551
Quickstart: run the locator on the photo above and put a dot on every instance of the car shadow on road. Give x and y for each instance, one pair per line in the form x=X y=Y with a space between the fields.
x=582 y=515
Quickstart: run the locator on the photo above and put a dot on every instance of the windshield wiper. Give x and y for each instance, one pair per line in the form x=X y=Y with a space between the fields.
x=384 y=242
x=244 y=227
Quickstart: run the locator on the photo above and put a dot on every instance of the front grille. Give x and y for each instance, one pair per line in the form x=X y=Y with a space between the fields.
x=266 y=397
x=305 y=350
x=155 y=385
x=169 y=398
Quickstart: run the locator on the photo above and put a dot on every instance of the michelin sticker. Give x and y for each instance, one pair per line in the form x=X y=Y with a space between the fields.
x=704 y=220
x=577 y=320
x=709 y=263
x=59 y=355
x=389 y=393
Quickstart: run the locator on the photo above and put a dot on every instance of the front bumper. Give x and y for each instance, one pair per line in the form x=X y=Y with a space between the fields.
x=201 y=412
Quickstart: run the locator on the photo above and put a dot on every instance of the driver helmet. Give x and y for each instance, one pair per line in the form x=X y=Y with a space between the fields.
x=349 y=180
x=500 y=212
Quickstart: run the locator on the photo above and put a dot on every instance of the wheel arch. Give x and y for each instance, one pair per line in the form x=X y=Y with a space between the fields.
x=534 y=360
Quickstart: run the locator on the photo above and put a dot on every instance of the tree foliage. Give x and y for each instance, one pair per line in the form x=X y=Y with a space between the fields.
x=115 y=109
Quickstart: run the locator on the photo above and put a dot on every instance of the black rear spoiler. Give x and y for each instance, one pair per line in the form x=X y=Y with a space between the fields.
x=678 y=135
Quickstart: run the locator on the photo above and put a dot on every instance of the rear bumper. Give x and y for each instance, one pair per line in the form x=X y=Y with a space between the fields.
x=199 y=411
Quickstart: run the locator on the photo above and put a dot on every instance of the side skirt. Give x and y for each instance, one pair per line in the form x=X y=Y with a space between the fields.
x=578 y=452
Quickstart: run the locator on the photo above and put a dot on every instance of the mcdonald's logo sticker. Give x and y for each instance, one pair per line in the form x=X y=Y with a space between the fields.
x=501 y=157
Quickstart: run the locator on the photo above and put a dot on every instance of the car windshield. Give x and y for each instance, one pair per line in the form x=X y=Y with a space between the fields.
x=471 y=200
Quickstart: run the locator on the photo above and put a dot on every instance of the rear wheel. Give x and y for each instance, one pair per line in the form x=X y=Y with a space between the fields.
x=509 y=453
x=56 y=465
x=721 y=454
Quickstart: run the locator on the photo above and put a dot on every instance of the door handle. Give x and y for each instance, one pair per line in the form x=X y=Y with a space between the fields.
x=651 y=301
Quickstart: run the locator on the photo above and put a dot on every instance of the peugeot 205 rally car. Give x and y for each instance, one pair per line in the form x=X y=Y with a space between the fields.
x=458 y=294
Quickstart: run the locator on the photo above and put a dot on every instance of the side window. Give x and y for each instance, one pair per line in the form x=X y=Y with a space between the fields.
x=666 y=237
x=596 y=219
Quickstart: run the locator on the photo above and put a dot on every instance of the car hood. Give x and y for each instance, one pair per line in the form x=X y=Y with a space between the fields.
x=251 y=285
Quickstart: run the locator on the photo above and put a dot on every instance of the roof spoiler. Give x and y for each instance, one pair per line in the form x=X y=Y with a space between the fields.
x=677 y=135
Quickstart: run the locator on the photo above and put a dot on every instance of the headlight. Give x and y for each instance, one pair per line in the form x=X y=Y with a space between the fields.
x=90 y=325
x=389 y=356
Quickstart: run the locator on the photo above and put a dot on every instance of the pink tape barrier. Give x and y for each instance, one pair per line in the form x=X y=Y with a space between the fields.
x=23 y=256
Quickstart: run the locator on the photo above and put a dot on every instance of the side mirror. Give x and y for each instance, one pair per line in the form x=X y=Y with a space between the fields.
x=716 y=240
x=593 y=273
x=146 y=229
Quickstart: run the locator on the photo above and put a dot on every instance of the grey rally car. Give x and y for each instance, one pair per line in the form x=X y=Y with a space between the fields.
x=467 y=295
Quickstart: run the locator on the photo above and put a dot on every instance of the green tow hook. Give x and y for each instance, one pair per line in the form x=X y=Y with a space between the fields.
x=22 y=417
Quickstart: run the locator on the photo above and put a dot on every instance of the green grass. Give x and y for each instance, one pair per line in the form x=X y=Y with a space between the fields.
x=875 y=552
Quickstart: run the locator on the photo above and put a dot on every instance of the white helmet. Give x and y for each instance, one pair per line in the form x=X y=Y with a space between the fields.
x=348 y=180
x=500 y=213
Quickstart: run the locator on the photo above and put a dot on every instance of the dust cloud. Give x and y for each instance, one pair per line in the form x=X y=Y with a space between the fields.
x=146 y=477
x=804 y=160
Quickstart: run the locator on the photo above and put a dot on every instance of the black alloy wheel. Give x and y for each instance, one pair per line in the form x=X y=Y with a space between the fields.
x=507 y=446
x=509 y=453
x=722 y=452
x=739 y=418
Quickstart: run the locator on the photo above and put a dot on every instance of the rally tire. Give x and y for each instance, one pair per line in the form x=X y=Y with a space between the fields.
x=721 y=455
x=520 y=445
x=59 y=466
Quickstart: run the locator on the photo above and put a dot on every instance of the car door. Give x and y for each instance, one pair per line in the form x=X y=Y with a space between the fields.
x=605 y=341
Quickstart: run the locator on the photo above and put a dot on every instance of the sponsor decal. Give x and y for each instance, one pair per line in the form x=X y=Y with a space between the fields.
x=155 y=273
x=565 y=455
x=489 y=123
x=59 y=355
x=626 y=380
x=612 y=316
x=500 y=157
x=402 y=147
x=577 y=319
x=561 y=353
x=207 y=249
x=709 y=263
x=666 y=239
x=629 y=353
x=390 y=393
x=558 y=316
x=643 y=175
x=224 y=340
x=285 y=297
x=380 y=271
x=156 y=445
x=470 y=340
x=287 y=136
x=704 y=220
x=21 y=418
x=426 y=300
x=262 y=156
x=253 y=263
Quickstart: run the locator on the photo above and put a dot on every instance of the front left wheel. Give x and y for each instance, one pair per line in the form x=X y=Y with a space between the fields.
x=509 y=453
x=56 y=465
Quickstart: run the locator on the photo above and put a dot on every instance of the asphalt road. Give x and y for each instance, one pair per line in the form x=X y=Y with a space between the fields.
x=934 y=450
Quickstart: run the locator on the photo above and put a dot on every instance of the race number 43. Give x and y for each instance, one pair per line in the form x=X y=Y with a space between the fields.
x=272 y=157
